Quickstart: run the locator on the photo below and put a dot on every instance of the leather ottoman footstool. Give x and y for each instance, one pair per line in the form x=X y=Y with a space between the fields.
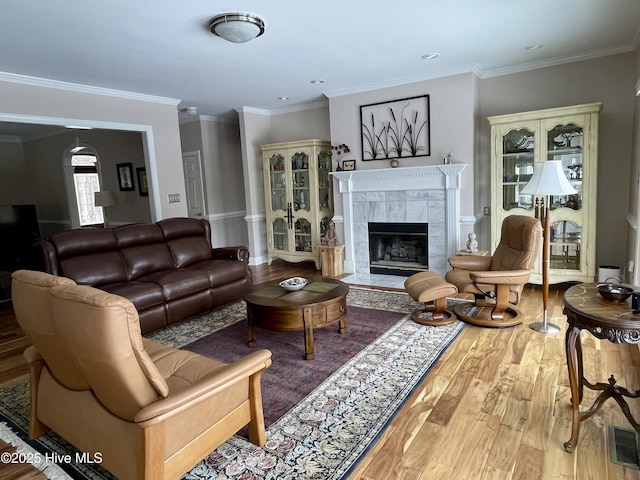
x=430 y=289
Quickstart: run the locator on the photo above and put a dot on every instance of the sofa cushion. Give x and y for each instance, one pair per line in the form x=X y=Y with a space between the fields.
x=142 y=260
x=72 y=243
x=95 y=269
x=178 y=283
x=221 y=272
x=79 y=251
x=189 y=250
x=143 y=249
x=142 y=294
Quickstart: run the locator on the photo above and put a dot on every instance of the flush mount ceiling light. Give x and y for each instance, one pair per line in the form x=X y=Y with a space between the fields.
x=237 y=27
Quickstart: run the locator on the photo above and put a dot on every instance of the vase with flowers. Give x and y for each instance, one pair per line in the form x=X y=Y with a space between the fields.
x=337 y=153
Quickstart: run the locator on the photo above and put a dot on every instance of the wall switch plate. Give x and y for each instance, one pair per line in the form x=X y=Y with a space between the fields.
x=174 y=198
x=487 y=211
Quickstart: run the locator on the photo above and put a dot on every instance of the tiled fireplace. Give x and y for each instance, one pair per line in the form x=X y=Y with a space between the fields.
x=428 y=194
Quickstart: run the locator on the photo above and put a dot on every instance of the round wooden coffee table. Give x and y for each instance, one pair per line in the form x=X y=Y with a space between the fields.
x=322 y=302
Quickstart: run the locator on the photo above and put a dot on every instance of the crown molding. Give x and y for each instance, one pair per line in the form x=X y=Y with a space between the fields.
x=10 y=139
x=284 y=110
x=554 y=62
x=79 y=88
x=403 y=81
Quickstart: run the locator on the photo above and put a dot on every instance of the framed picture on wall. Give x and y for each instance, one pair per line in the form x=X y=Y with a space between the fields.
x=125 y=177
x=348 y=165
x=397 y=129
x=143 y=187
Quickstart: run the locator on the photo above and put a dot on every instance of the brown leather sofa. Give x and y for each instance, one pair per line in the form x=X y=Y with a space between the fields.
x=167 y=269
x=150 y=411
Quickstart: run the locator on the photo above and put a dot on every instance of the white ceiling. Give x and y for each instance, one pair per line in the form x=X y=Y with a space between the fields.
x=164 y=47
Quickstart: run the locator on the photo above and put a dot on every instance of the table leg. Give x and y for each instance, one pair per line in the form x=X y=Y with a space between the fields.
x=251 y=332
x=307 y=318
x=572 y=340
x=342 y=325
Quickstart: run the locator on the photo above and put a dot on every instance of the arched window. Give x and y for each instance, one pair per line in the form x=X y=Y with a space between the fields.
x=82 y=180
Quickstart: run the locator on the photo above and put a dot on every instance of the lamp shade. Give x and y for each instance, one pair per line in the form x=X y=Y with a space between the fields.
x=104 y=199
x=548 y=179
x=237 y=27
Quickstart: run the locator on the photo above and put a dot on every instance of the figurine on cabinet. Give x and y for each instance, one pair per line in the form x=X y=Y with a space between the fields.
x=331 y=238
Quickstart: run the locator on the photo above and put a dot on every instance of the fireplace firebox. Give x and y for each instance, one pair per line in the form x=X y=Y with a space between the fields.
x=398 y=248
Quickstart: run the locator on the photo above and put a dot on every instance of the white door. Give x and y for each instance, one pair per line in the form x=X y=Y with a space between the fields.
x=192 y=166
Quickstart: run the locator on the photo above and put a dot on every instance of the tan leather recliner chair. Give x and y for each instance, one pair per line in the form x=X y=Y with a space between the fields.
x=151 y=411
x=497 y=281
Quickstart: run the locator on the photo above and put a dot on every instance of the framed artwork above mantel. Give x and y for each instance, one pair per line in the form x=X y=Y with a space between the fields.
x=396 y=129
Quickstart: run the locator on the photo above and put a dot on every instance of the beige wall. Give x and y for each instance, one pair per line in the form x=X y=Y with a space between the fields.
x=607 y=79
x=453 y=118
x=14 y=175
x=258 y=127
x=156 y=118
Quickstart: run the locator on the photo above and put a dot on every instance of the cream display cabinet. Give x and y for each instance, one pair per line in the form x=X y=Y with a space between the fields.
x=568 y=134
x=298 y=198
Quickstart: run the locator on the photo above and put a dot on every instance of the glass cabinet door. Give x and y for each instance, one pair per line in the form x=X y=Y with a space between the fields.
x=303 y=235
x=277 y=178
x=517 y=168
x=564 y=143
x=565 y=244
x=300 y=181
x=280 y=235
x=325 y=199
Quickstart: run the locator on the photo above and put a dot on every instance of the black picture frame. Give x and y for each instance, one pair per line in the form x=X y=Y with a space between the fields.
x=125 y=177
x=348 y=165
x=143 y=186
x=396 y=129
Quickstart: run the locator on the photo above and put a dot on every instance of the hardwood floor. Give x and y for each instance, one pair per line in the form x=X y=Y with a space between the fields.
x=494 y=407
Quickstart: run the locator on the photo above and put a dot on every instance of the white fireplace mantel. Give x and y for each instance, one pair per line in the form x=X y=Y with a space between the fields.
x=415 y=183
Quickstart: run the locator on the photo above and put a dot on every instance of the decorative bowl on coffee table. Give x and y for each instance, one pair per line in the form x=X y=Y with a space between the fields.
x=293 y=284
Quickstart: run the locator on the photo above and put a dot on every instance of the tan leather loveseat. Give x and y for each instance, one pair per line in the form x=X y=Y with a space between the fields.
x=151 y=411
x=167 y=269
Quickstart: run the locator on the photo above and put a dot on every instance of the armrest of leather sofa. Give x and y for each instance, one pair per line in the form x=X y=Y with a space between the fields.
x=231 y=253
x=246 y=367
x=49 y=257
x=234 y=253
x=471 y=262
x=498 y=277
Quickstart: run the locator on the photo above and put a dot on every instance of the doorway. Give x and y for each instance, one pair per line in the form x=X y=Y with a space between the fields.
x=194 y=184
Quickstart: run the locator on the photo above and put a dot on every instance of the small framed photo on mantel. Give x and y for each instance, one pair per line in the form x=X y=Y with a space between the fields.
x=348 y=165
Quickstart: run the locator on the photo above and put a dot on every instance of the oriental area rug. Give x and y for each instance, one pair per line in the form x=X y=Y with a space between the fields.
x=322 y=415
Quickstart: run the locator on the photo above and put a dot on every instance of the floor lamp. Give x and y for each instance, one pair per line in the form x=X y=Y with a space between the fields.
x=105 y=200
x=548 y=179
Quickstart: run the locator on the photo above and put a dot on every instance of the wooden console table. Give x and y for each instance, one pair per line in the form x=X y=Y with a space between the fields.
x=613 y=321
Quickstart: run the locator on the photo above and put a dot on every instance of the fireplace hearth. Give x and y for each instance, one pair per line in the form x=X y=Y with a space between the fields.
x=398 y=248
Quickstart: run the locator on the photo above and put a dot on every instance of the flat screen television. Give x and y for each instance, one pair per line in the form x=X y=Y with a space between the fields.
x=19 y=233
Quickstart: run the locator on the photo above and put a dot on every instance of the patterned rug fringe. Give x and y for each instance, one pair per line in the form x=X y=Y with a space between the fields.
x=35 y=458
